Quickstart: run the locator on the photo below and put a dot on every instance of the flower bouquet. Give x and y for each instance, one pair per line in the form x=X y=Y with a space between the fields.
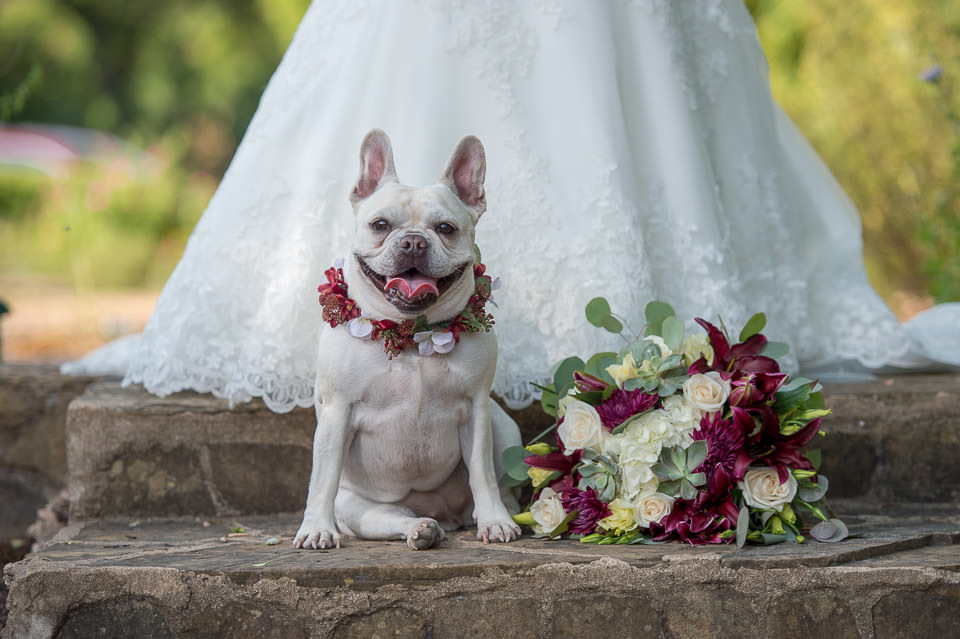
x=677 y=437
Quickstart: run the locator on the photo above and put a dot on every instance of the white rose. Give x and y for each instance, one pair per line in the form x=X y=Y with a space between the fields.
x=762 y=488
x=547 y=511
x=706 y=391
x=695 y=346
x=651 y=507
x=581 y=427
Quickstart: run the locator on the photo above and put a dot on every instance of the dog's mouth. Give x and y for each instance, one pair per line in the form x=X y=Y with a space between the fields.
x=411 y=291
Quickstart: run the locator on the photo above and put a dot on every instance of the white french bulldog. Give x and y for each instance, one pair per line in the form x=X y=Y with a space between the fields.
x=409 y=447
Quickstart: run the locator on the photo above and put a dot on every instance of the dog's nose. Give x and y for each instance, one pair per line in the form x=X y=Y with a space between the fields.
x=415 y=245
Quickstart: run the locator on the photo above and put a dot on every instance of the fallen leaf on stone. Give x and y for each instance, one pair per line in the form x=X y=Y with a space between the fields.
x=260 y=565
x=273 y=541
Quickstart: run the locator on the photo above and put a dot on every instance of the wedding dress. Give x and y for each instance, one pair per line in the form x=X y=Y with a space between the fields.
x=633 y=150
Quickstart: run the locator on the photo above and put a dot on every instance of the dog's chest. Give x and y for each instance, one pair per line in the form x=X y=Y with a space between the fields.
x=408 y=423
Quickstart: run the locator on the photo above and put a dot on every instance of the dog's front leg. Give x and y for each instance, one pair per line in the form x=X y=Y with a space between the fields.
x=319 y=527
x=476 y=443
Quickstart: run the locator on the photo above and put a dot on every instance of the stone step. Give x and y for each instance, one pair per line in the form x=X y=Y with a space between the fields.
x=133 y=454
x=33 y=459
x=898 y=576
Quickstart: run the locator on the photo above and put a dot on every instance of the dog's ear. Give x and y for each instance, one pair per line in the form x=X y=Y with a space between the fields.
x=465 y=172
x=376 y=166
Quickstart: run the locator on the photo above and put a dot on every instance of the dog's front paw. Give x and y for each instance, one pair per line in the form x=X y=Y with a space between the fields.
x=504 y=530
x=424 y=534
x=316 y=536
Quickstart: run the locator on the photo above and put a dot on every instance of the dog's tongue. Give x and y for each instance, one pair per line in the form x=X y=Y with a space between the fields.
x=413 y=286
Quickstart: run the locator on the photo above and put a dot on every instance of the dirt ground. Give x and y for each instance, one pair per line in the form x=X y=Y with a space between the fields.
x=50 y=323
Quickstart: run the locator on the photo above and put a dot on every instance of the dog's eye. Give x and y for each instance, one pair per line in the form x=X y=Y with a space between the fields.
x=446 y=229
x=380 y=226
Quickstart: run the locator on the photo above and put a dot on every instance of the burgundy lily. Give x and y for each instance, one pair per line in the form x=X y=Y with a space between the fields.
x=743 y=357
x=586 y=383
x=701 y=520
x=774 y=449
x=755 y=388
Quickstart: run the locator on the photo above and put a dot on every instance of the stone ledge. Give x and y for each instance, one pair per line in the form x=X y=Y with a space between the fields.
x=899 y=577
x=33 y=408
x=133 y=454
x=895 y=439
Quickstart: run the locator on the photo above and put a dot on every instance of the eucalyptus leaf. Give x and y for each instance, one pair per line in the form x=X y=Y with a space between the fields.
x=563 y=377
x=814 y=457
x=655 y=313
x=753 y=326
x=672 y=332
x=513 y=462
x=597 y=365
x=598 y=310
x=814 y=492
x=830 y=531
x=823 y=530
x=612 y=325
x=509 y=482
x=549 y=400
x=743 y=526
x=775 y=349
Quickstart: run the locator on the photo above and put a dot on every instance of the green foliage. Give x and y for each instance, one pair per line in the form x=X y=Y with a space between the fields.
x=898 y=158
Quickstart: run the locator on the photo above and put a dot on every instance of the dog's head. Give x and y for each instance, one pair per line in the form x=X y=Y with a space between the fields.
x=413 y=251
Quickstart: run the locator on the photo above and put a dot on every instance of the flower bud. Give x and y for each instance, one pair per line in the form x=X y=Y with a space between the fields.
x=540 y=448
x=788 y=515
x=776 y=526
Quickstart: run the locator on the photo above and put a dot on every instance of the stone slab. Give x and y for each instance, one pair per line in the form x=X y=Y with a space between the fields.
x=131 y=453
x=33 y=463
x=167 y=578
x=895 y=439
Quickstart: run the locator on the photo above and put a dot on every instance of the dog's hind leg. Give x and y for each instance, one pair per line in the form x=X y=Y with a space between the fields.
x=374 y=520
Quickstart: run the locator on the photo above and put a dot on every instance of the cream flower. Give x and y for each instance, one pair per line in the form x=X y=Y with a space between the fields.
x=548 y=512
x=639 y=449
x=581 y=427
x=623 y=371
x=685 y=418
x=706 y=391
x=762 y=488
x=695 y=346
x=651 y=507
x=539 y=476
x=621 y=519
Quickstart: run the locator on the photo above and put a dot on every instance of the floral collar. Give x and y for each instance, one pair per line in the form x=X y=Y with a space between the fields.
x=440 y=337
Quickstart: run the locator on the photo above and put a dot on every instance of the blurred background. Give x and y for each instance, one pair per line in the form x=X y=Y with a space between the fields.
x=118 y=118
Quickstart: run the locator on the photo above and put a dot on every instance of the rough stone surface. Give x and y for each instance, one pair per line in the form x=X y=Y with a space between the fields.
x=131 y=453
x=895 y=439
x=586 y=615
x=935 y=613
x=33 y=408
x=192 y=578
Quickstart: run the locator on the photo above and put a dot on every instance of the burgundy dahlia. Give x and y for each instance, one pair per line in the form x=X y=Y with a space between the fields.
x=623 y=405
x=589 y=509
x=724 y=441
